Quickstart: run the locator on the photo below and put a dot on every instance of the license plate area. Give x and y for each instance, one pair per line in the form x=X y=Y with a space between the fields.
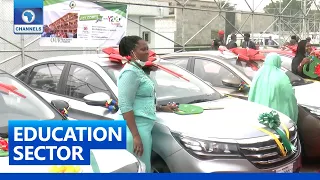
x=286 y=169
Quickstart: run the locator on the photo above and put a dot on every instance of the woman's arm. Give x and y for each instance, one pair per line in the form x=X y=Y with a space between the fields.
x=127 y=88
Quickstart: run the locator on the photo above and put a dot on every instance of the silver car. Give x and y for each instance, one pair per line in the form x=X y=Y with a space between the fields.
x=225 y=73
x=220 y=140
x=23 y=103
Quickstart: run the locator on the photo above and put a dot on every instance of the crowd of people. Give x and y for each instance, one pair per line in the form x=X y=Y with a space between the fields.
x=247 y=43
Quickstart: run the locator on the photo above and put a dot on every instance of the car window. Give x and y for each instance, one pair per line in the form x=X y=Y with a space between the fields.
x=182 y=62
x=250 y=72
x=82 y=81
x=23 y=74
x=46 y=77
x=172 y=89
x=211 y=72
x=20 y=102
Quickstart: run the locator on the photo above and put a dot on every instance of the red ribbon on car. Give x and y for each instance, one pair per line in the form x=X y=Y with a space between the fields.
x=115 y=56
x=4 y=144
x=6 y=88
x=247 y=55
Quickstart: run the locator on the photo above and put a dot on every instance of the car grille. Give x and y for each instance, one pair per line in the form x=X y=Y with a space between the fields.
x=265 y=153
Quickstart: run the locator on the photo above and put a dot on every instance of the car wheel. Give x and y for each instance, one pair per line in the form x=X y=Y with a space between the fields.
x=159 y=166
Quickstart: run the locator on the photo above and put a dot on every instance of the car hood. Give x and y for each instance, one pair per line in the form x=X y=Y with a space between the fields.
x=107 y=160
x=307 y=95
x=237 y=120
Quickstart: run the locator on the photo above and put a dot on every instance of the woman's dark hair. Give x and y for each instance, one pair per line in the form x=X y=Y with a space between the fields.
x=127 y=44
x=301 y=49
x=294 y=37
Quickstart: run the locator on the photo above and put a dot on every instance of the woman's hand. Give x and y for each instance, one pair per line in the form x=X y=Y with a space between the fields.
x=137 y=145
x=169 y=108
x=304 y=61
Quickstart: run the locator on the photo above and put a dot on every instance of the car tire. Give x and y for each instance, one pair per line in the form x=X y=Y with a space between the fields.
x=159 y=166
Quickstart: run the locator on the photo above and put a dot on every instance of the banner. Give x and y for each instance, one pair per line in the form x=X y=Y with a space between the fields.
x=57 y=142
x=82 y=23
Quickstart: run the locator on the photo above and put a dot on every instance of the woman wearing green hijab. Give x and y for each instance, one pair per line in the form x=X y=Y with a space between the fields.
x=271 y=87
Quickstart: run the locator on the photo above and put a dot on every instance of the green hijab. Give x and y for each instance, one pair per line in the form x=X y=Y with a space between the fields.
x=271 y=87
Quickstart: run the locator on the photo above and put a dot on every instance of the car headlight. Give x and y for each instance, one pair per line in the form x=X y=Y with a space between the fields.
x=141 y=166
x=204 y=149
x=313 y=110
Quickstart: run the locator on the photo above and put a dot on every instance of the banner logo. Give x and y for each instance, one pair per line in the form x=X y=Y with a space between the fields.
x=72 y=5
x=28 y=17
x=56 y=142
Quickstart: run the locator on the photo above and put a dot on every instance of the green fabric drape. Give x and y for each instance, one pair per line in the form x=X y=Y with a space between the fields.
x=271 y=87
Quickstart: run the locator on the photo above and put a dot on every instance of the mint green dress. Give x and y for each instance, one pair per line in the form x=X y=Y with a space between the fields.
x=136 y=91
x=271 y=87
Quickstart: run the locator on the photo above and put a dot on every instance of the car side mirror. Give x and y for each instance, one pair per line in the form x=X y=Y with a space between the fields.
x=60 y=105
x=103 y=100
x=231 y=82
x=96 y=99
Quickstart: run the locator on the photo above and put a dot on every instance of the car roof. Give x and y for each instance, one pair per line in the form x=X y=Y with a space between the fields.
x=279 y=51
x=207 y=54
x=103 y=59
x=100 y=59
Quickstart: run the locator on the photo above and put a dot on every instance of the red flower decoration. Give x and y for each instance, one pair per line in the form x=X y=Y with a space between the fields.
x=317 y=70
x=4 y=144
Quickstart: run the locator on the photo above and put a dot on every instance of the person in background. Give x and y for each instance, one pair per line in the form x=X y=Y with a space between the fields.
x=270 y=41
x=271 y=87
x=137 y=98
x=218 y=42
x=308 y=39
x=303 y=50
x=294 y=40
x=233 y=42
x=247 y=43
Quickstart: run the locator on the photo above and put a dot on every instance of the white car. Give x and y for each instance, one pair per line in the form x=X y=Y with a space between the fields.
x=25 y=104
x=219 y=140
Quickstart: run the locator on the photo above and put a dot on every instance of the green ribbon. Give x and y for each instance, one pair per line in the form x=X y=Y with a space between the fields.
x=312 y=66
x=272 y=121
x=93 y=163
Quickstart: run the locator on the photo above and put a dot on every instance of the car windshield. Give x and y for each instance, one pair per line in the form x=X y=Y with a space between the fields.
x=172 y=89
x=19 y=103
x=249 y=71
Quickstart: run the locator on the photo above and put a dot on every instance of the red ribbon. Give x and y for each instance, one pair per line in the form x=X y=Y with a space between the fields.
x=4 y=144
x=246 y=55
x=317 y=70
x=114 y=56
x=6 y=88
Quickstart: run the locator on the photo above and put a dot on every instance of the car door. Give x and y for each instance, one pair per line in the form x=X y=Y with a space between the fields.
x=223 y=79
x=79 y=81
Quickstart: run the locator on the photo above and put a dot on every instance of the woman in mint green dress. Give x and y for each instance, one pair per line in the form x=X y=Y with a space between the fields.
x=136 y=98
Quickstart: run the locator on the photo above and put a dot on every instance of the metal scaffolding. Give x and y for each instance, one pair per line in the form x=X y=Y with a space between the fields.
x=196 y=23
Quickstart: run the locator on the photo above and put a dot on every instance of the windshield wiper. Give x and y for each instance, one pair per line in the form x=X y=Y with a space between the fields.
x=199 y=101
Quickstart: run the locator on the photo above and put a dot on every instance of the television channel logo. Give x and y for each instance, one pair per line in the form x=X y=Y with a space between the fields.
x=28 y=17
